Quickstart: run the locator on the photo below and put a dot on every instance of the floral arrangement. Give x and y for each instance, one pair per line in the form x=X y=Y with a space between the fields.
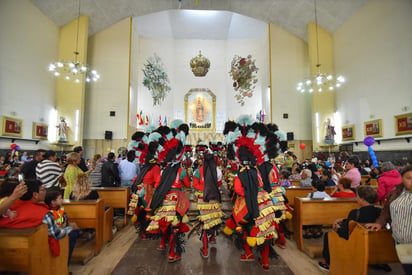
x=156 y=79
x=243 y=72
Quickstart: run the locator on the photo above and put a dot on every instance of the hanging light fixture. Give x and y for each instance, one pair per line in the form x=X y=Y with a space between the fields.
x=321 y=81
x=74 y=69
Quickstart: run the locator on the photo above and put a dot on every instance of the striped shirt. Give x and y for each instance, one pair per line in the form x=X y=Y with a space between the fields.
x=48 y=173
x=401 y=213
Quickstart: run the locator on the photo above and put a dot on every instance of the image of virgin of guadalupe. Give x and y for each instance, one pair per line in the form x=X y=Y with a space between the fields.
x=62 y=130
x=200 y=112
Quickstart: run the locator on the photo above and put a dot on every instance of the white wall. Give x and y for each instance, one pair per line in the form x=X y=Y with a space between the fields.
x=108 y=53
x=176 y=55
x=373 y=51
x=29 y=43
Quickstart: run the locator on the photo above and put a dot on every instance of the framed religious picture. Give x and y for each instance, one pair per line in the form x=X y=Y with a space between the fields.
x=200 y=110
x=40 y=130
x=348 y=132
x=12 y=127
x=373 y=128
x=403 y=124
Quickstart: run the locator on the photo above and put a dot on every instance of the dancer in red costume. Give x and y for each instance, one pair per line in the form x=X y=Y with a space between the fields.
x=253 y=216
x=169 y=203
x=143 y=186
x=206 y=182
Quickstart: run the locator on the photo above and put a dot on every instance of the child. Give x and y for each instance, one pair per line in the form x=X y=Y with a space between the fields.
x=10 y=191
x=283 y=178
x=315 y=231
x=55 y=201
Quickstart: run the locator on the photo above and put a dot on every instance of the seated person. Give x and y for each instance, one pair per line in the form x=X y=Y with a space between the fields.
x=367 y=213
x=33 y=212
x=345 y=191
x=283 y=178
x=82 y=189
x=55 y=200
x=315 y=231
x=326 y=177
x=306 y=180
x=10 y=191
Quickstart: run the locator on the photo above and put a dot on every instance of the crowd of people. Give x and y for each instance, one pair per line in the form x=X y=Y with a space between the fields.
x=159 y=167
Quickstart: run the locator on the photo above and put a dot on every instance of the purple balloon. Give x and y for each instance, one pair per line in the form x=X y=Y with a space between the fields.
x=369 y=141
x=17 y=148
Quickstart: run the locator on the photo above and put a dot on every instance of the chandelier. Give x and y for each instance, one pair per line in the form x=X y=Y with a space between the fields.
x=74 y=69
x=321 y=81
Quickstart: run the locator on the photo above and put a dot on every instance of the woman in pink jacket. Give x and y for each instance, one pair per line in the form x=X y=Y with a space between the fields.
x=388 y=180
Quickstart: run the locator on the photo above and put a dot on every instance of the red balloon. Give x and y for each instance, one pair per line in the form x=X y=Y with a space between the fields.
x=302 y=146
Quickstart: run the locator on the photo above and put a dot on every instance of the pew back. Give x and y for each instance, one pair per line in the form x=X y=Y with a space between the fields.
x=27 y=250
x=88 y=214
x=116 y=197
x=319 y=212
x=301 y=192
x=363 y=247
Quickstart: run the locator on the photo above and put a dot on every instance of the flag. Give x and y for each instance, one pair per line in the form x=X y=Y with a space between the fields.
x=141 y=118
x=160 y=120
x=165 y=122
x=147 y=120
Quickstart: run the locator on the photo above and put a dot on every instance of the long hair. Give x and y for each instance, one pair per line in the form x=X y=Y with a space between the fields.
x=82 y=187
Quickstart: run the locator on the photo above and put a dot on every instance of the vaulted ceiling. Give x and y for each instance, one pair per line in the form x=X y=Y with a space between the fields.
x=291 y=15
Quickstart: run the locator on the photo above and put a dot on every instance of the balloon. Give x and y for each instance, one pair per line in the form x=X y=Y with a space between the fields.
x=13 y=146
x=302 y=146
x=17 y=148
x=369 y=141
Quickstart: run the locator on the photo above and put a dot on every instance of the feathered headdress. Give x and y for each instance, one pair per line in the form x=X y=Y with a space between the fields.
x=139 y=144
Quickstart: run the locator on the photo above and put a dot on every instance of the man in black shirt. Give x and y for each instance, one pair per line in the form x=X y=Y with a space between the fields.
x=110 y=172
x=82 y=164
x=29 y=168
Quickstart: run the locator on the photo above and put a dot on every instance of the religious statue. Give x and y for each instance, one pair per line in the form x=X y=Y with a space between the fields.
x=62 y=130
x=199 y=111
x=329 y=132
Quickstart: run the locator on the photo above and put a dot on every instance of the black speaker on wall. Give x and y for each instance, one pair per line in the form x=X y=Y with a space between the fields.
x=108 y=134
x=289 y=136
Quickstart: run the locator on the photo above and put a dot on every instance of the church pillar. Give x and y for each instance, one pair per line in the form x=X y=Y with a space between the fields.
x=323 y=103
x=70 y=96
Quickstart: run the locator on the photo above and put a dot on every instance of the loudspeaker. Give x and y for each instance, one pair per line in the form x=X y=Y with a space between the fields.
x=289 y=136
x=108 y=134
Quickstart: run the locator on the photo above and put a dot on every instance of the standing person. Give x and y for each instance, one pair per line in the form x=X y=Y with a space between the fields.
x=49 y=171
x=148 y=178
x=96 y=174
x=169 y=203
x=352 y=167
x=128 y=169
x=71 y=173
x=29 y=168
x=397 y=212
x=110 y=172
x=288 y=161
x=82 y=164
x=388 y=180
x=206 y=181
x=253 y=216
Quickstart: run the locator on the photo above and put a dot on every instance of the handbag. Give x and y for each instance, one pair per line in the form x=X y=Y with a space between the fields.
x=404 y=251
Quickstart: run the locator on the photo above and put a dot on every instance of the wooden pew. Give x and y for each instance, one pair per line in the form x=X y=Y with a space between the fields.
x=363 y=247
x=27 y=250
x=116 y=197
x=295 y=182
x=364 y=178
x=91 y=214
x=319 y=211
x=301 y=192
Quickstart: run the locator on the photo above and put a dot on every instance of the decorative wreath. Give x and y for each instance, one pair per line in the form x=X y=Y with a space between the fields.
x=156 y=79
x=244 y=74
